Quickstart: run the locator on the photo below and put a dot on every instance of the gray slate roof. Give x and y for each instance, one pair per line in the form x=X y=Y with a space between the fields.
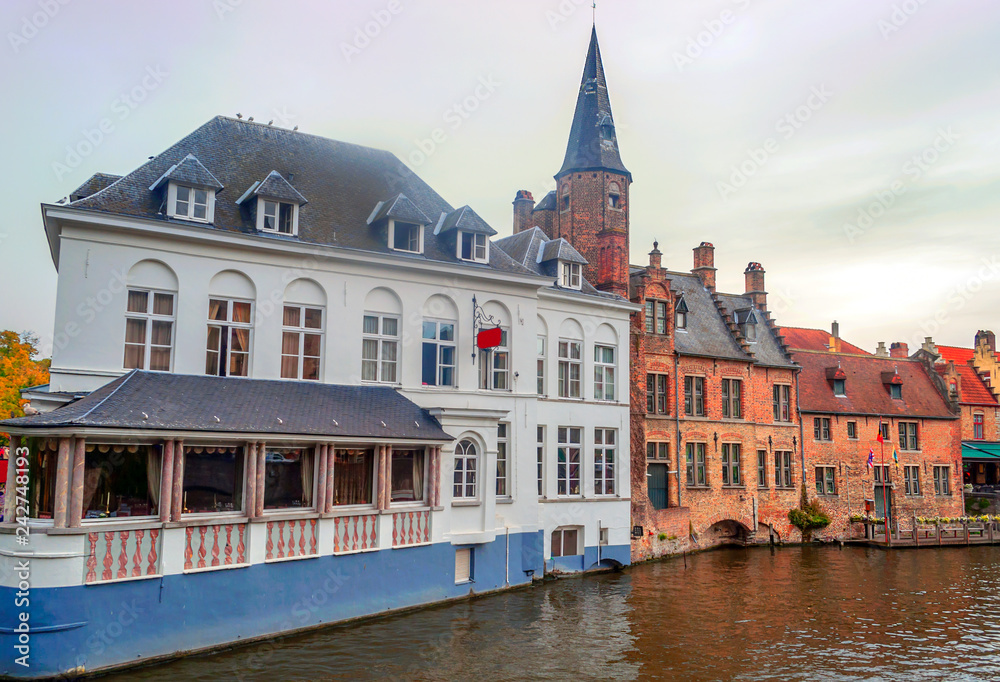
x=94 y=184
x=766 y=349
x=707 y=332
x=548 y=202
x=179 y=402
x=586 y=149
x=342 y=181
x=560 y=249
x=276 y=187
x=399 y=208
x=190 y=171
x=467 y=220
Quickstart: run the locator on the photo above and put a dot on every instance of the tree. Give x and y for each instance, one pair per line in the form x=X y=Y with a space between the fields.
x=809 y=516
x=18 y=369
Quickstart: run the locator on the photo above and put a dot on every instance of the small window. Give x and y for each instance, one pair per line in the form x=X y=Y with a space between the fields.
x=762 y=468
x=566 y=542
x=852 y=430
x=657 y=450
x=731 y=474
x=896 y=391
x=656 y=393
x=191 y=203
x=463 y=566
x=279 y=217
x=681 y=315
x=821 y=429
x=564 y=201
x=782 y=469
x=604 y=372
x=466 y=470
x=977 y=426
x=149 y=330
x=472 y=247
x=230 y=324
x=405 y=237
x=656 y=317
x=380 y=348
x=826 y=480
x=883 y=428
x=911 y=479
x=694 y=396
x=614 y=196
x=503 y=459
x=942 y=480
x=541 y=344
x=570 y=368
x=881 y=474
x=696 y=474
x=494 y=365
x=406 y=476
x=540 y=459
x=782 y=401
x=908 y=436
x=301 y=342
x=569 y=275
x=732 y=402
x=840 y=387
x=438 y=353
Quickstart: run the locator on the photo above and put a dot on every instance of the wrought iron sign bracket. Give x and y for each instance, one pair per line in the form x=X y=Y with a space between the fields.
x=480 y=321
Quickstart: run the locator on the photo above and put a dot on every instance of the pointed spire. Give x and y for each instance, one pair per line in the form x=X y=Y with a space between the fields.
x=593 y=144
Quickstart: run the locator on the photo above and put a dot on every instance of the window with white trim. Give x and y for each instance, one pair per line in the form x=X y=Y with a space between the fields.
x=570 y=368
x=191 y=203
x=540 y=458
x=438 y=367
x=408 y=237
x=569 y=275
x=541 y=344
x=230 y=328
x=466 y=470
x=463 y=565
x=149 y=330
x=494 y=365
x=380 y=348
x=605 y=445
x=472 y=246
x=503 y=459
x=566 y=542
x=604 y=372
x=568 y=460
x=279 y=217
x=301 y=342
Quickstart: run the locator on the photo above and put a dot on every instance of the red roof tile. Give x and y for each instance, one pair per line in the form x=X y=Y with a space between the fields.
x=865 y=391
x=816 y=339
x=974 y=389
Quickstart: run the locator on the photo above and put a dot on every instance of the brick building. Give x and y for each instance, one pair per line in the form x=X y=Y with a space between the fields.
x=970 y=375
x=847 y=396
x=714 y=443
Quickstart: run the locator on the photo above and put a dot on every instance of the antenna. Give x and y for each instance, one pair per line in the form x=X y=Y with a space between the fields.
x=595 y=12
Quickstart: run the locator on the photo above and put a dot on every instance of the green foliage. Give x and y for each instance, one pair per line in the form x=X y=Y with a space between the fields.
x=809 y=516
x=662 y=536
x=974 y=504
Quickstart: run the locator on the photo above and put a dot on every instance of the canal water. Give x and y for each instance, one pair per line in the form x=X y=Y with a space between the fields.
x=792 y=613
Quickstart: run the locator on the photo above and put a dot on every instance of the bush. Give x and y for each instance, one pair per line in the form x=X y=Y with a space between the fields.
x=662 y=536
x=974 y=504
x=808 y=517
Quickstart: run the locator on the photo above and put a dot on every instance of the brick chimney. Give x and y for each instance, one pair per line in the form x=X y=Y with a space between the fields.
x=835 y=345
x=988 y=337
x=881 y=352
x=655 y=257
x=899 y=349
x=755 y=284
x=523 y=203
x=704 y=264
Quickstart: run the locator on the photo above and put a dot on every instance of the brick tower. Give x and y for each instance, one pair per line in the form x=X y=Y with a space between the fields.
x=591 y=197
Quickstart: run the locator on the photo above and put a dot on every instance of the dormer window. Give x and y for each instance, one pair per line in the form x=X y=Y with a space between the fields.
x=681 y=315
x=896 y=391
x=747 y=321
x=895 y=384
x=473 y=247
x=840 y=387
x=278 y=216
x=569 y=275
x=408 y=237
x=190 y=203
x=614 y=196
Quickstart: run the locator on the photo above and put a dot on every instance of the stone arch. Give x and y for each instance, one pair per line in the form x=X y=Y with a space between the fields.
x=499 y=312
x=232 y=284
x=383 y=300
x=606 y=334
x=543 y=327
x=153 y=274
x=571 y=329
x=306 y=292
x=441 y=307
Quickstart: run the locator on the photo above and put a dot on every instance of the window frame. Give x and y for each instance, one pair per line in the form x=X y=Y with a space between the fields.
x=302 y=331
x=896 y=391
x=942 y=480
x=978 y=426
x=382 y=340
x=696 y=467
x=730 y=457
x=566 y=365
x=826 y=480
x=570 y=275
x=732 y=401
x=605 y=374
x=821 y=430
x=279 y=212
x=694 y=396
x=660 y=450
x=762 y=480
x=577 y=532
x=228 y=327
x=172 y=201
x=852 y=430
x=489 y=374
x=783 y=470
x=781 y=403
x=659 y=396
x=474 y=247
x=909 y=436
x=439 y=345
x=564 y=472
x=605 y=459
x=911 y=480
x=308 y=454
x=540 y=458
x=541 y=356
x=419 y=236
x=149 y=318
x=656 y=317
x=469 y=475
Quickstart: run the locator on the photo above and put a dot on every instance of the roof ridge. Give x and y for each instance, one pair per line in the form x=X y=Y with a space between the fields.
x=100 y=402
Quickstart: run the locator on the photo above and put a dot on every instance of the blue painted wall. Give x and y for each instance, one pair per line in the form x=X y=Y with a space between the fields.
x=126 y=621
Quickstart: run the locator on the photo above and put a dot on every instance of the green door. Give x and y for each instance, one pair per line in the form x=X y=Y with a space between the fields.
x=656 y=477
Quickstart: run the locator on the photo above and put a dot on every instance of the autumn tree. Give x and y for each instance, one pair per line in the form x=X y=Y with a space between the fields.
x=18 y=369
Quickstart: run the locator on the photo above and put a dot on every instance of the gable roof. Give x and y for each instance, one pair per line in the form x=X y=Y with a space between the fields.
x=866 y=392
x=560 y=249
x=344 y=182
x=802 y=338
x=179 y=402
x=464 y=219
x=275 y=186
x=586 y=150
x=189 y=171
x=94 y=184
x=973 y=389
x=400 y=208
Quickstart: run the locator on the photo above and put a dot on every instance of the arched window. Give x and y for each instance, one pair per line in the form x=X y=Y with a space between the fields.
x=614 y=195
x=150 y=313
x=466 y=467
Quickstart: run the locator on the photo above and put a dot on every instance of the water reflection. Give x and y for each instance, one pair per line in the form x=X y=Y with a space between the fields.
x=817 y=613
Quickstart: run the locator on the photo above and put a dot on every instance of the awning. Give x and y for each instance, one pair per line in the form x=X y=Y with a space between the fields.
x=980 y=450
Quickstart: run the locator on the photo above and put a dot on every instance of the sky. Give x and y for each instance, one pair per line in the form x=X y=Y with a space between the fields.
x=849 y=147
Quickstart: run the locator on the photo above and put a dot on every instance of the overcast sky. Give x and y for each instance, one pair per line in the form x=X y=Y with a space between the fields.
x=849 y=147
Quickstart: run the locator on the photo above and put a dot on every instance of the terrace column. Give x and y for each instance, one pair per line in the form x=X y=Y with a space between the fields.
x=76 y=483
x=435 y=465
x=177 y=483
x=382 y=468
x=10 y=498
x=388 y=477
x=321 y=479
x=258 y=509
x=250 y=494
x=166 y=480
x=331 y=451
x=62 y=483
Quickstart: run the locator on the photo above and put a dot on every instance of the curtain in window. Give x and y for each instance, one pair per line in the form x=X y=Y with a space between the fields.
x=241 y=312
x=91 y=479
x=306 y=466
x=138 y=301
x=418 y=475
x=215 y=309
x=153 y=478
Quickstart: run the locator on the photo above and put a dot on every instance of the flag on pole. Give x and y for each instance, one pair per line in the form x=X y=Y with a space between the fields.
x=871 y=458
x=879 y=436
x=895 y=456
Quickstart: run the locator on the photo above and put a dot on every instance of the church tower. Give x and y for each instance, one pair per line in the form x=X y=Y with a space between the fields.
x=592 y=187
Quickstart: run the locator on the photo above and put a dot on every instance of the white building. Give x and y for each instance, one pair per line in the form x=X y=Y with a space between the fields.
x=308 y=409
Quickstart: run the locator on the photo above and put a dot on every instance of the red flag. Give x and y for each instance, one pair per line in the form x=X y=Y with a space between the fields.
x=879 y=436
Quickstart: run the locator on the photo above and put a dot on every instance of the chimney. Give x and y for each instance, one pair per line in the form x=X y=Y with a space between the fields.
x=655 y=257
x=755 y=284
x=899 y=349
x=928 y=346
x=835 y=329
x=523 y=203
x=881 y=352
x=987 y=337
x=834 y=345
x=704 y=264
